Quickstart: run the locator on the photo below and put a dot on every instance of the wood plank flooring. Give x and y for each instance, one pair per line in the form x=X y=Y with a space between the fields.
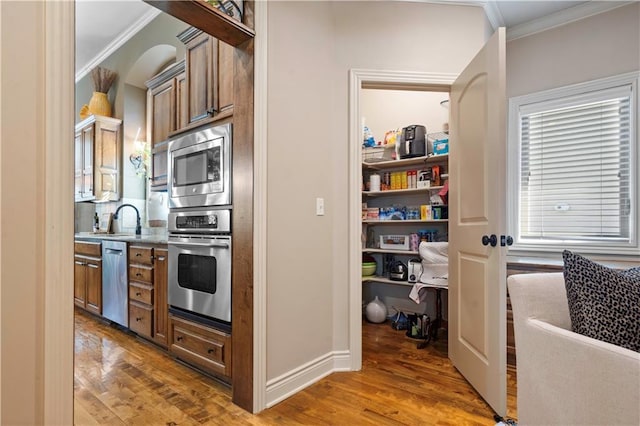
x=123 y=380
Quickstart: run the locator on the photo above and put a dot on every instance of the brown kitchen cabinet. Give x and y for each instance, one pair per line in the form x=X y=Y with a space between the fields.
x=225 y=77
x=209 y=80
x=204 y=347
x=201 y=69
x=164 y=115
x=98 y=154
x=87 y=286
x=160 y=301
x=148 y=310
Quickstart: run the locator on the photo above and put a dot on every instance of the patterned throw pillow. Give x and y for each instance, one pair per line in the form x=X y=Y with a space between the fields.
x=603 y=303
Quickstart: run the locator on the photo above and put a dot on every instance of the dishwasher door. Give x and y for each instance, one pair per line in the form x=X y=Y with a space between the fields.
x=115 y=297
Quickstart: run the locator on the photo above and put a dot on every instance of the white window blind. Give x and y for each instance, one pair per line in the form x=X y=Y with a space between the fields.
x=575 y=168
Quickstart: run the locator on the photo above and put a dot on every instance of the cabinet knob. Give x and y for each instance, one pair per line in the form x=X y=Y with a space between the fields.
x=138 y=294
x=179 y=338
x=138 y=319
x=138 y=274
x=138 y=254
x=211 y=351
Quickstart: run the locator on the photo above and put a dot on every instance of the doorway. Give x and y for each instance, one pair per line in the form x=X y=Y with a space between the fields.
x=359 y=80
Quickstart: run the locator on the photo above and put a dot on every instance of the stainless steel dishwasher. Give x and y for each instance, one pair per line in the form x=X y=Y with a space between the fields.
x=115 y=303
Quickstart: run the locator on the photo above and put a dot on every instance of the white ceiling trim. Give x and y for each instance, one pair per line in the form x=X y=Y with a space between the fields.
x=562 y=17
x=118 y=42
x=493 y=14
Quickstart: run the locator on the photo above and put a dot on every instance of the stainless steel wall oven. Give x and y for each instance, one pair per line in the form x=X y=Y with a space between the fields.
x=200 y=262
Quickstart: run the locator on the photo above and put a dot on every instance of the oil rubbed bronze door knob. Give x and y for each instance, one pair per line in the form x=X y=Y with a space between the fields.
x=493 y=240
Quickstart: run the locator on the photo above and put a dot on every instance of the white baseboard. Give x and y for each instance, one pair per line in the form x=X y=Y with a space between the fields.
x=292 y=382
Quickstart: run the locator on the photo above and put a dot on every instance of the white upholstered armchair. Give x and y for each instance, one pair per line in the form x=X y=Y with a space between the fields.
x=565 y=378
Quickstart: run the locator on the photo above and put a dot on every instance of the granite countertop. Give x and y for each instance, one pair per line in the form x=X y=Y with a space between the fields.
x=127 y=237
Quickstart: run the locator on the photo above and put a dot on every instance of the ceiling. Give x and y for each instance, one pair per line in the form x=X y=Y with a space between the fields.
x=104 y=26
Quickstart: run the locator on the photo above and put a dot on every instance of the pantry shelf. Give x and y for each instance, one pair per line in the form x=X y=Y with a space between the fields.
x=379 y=279
x=376 y=250
x=400 y=191
x=381 y=165
x=402 y=222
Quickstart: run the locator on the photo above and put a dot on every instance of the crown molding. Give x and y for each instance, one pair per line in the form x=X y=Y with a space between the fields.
x=493 y=14
x=562 y=17
x=124 y=37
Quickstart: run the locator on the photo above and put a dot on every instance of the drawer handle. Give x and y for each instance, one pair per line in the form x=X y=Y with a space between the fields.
x=138 y=294
x=138 y=274
x=139 y=319
x=138 y=254
x=179 y=338
x=211 y=351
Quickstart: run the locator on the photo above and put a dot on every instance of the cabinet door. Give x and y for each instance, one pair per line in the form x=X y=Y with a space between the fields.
x=78 y=165
x=201 y=67
x=79 y=282
x=182 y=110
x=225 y=76
x=107 y=158
x=94 y=286
x=163 y=112
x=160 y=303
x=159 y=167
x=87 y=161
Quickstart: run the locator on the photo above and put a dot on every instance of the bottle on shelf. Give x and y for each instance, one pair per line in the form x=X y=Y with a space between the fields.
x=96 y=222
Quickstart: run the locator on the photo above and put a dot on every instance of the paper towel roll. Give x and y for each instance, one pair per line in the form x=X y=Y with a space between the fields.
x=374 y=183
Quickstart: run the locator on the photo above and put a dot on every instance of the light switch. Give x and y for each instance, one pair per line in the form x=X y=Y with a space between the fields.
x=319 y=206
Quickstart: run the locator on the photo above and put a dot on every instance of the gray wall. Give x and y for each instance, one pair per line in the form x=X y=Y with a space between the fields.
x=600 y=46
x=311 y=48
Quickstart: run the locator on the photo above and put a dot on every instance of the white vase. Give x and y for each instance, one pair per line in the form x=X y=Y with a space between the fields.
x=376 y=311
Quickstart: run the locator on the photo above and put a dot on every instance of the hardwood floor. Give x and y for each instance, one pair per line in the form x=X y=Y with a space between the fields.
x=123 y=380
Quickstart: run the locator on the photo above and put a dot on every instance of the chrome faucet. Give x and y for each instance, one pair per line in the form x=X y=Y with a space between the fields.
x=138 y=227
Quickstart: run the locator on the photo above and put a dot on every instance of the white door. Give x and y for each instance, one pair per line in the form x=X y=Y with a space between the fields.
x=477 y=206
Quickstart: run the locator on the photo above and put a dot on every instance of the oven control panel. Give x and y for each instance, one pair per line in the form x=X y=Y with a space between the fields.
x=216 y=221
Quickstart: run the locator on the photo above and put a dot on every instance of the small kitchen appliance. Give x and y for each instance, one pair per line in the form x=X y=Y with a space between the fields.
x=413 y=142
x=199 y=168
x=398 y=271
x=414 y=270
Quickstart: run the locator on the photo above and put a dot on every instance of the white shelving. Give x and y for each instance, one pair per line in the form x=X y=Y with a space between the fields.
x=380 y=165
x=402 y=222
x=401 y=191
x=377 y=250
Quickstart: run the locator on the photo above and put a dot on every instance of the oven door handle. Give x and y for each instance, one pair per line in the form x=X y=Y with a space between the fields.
x=216 y=245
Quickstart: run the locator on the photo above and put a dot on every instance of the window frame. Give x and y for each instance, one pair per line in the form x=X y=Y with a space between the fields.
x=565 y=96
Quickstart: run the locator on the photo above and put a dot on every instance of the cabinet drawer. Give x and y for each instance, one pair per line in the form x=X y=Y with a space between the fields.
x=141 y=293
x=205 y=347
x=143 y=255
x=140 y=318
x=88 y=248
x=141 y=273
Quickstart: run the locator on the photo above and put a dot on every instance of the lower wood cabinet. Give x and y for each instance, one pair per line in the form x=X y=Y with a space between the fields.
x=206 y=348
x=148 y=309
x=87 y=277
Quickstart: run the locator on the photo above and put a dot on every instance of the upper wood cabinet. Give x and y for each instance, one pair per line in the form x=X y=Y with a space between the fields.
x=202 y=71
x=209 y=75
x=225 y=76
x=165 y=104
x=98 y=154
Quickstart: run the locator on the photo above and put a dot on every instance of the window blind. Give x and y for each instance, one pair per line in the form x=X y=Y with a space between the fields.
x=575 y=168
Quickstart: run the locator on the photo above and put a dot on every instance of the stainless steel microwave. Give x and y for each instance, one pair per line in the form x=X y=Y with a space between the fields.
x=199 y=169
